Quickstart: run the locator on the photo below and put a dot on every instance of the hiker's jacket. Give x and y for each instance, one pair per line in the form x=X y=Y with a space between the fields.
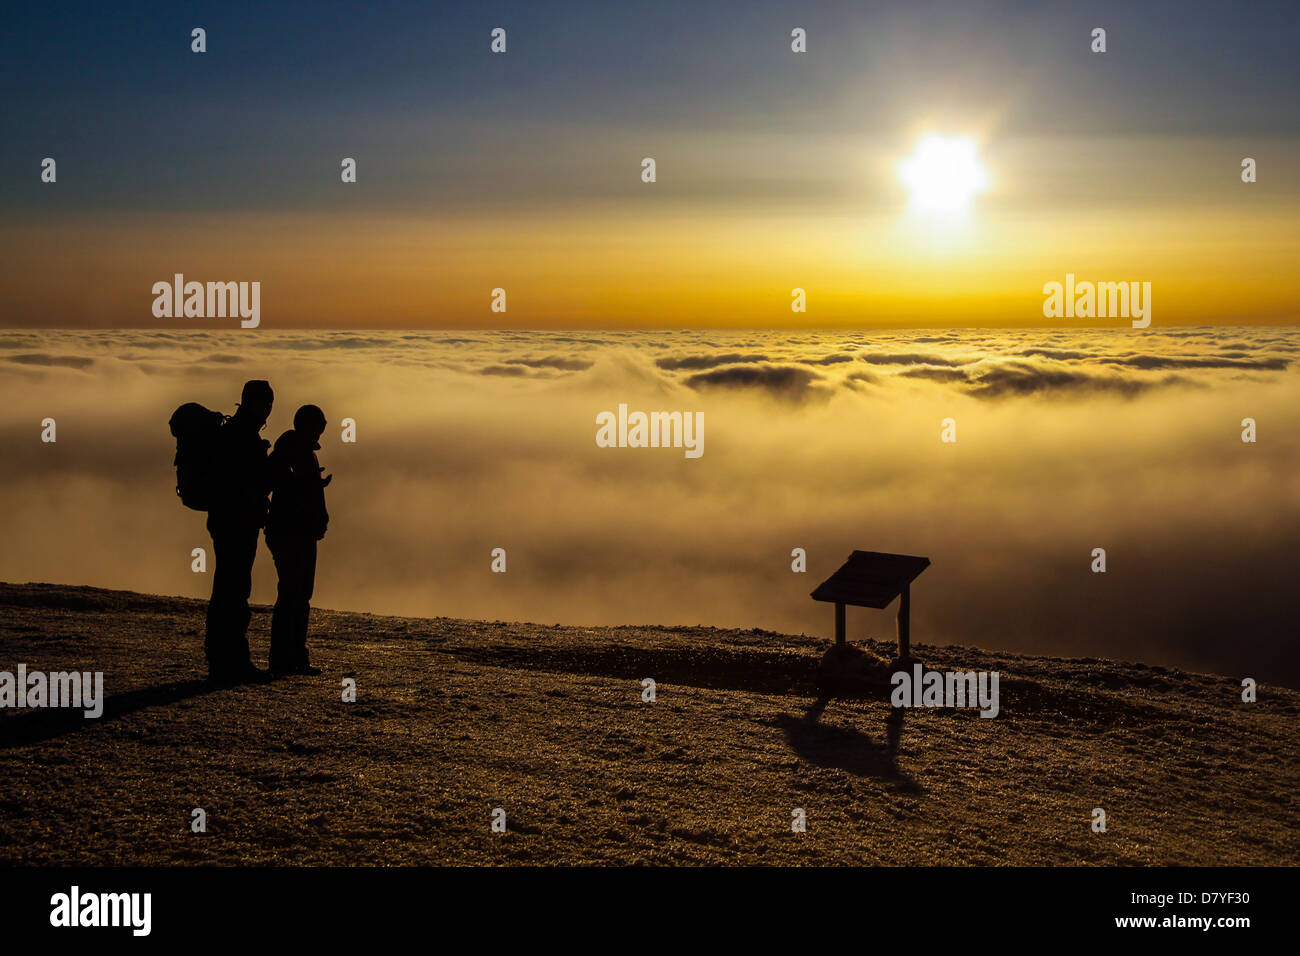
x=297 y=489
x=243 y=481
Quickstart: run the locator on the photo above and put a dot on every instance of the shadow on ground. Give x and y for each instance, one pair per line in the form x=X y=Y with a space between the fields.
x=842 y=748
x=43 y=725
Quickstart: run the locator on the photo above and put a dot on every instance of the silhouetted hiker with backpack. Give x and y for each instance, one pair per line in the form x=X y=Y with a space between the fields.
x=221 y=468
x=297 y=521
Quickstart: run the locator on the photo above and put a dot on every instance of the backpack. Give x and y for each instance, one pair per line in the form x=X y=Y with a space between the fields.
x=197 y=431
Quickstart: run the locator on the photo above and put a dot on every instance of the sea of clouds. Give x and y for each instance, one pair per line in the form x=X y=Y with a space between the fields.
x=1067 y=441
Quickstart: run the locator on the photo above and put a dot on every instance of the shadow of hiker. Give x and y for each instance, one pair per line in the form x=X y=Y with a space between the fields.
x=843 y=748
x=42 y=725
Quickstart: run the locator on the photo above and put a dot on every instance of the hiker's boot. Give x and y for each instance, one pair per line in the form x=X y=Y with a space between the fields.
x=298 y=667
x=242 y=673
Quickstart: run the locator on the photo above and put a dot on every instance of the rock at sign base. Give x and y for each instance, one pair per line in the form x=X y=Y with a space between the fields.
x=849 y=669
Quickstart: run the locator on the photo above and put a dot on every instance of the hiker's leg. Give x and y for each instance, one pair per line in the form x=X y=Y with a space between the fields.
x=278 y=659
x=234 y=550
x=308 y=582
x=289 y=619
x=213 y=642
x=245 y=553
x=216 y=643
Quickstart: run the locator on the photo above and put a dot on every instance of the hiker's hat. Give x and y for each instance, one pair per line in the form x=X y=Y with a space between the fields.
x=257 y=390
x=309 y=416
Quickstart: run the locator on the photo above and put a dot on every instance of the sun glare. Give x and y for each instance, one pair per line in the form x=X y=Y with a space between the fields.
x=943 y=175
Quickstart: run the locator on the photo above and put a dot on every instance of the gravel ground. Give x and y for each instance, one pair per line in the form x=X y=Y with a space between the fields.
x=453 y=719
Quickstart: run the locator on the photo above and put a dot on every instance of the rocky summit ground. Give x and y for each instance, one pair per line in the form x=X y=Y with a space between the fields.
x=455 y=718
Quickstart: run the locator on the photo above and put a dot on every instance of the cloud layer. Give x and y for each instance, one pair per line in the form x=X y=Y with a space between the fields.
x=826 y=441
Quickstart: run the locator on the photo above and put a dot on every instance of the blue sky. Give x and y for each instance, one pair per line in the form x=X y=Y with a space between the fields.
x=115 y=92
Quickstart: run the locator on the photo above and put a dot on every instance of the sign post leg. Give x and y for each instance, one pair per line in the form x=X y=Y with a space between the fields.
x=905 y=622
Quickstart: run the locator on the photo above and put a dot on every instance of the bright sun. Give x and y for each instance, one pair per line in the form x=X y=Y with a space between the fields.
x=943 y=175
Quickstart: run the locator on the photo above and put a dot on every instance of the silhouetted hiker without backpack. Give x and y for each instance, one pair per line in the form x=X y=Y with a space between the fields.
x=236 y=514
x=296 y=522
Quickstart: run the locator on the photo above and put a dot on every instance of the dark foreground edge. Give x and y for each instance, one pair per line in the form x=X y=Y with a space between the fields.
x=939 y=906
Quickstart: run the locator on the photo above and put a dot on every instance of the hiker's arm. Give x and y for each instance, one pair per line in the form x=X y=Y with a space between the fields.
x=278 y=468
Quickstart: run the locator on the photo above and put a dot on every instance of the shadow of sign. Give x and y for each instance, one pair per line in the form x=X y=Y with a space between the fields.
x=847 y=749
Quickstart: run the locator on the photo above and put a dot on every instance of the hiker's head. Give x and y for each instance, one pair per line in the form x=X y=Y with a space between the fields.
x=310 y=421
x=255 y=401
